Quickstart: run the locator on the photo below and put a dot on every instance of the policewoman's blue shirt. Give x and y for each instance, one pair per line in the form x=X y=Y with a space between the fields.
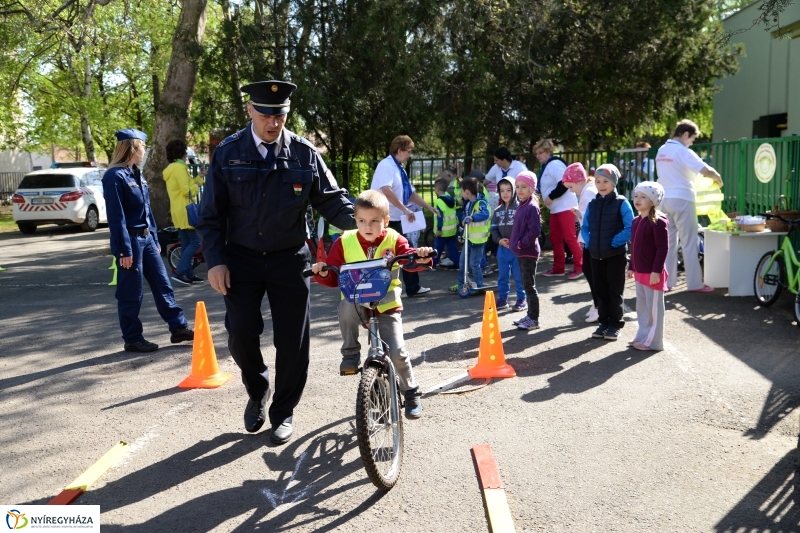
x=127 y=206
x=261 y=205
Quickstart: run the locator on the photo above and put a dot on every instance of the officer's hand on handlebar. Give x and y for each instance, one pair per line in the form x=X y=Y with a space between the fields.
x=220 y=279
x=316 y=268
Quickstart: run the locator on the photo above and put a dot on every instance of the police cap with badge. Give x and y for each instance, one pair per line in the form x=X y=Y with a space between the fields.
x=130 y=133
x=271 y=97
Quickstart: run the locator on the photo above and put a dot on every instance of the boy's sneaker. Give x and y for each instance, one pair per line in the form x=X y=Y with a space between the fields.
x=349 y=365
x=528 y=323
x=413 y=403
x=593 y=315
x=521 y=305
x=181 y=278
x=446 y=262
x=568 y=260
x=552 y=273
x=195 y=279
x=488 y=271
x=502 y=303
x=611 y=334
x=575 y=274
x=600 y=332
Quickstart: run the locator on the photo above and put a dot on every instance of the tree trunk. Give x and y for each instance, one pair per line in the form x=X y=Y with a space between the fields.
x=86 y=129
x=172 y=115
x=232 y=55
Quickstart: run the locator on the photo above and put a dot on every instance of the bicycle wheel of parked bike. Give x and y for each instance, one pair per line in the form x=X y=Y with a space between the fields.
x=767 y=282
x=797 y=309
x=174 y=256
x=379 y=428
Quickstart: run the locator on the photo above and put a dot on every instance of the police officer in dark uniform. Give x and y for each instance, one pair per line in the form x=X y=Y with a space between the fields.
x=135 y=246
x=253 y=231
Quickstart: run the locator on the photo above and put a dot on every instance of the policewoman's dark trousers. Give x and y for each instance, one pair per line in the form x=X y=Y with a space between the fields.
x=280 y=276
x=608 y=280
x=410 y=279
x=147 y=264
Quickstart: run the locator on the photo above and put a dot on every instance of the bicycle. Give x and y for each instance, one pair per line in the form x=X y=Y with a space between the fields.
x=776 y=271
x=379 y=426
x=174 y=256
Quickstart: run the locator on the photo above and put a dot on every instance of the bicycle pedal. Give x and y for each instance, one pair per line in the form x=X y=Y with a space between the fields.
x=350 y=372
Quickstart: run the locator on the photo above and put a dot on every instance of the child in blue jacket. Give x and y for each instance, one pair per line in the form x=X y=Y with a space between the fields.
x=476 y=214
x=606 y=229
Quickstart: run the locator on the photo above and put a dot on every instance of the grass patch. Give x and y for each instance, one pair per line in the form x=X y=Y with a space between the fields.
x=7 y=223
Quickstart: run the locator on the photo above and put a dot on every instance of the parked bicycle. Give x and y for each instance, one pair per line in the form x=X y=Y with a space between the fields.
x=379 y=426
x=778 y=270
x=174 y=256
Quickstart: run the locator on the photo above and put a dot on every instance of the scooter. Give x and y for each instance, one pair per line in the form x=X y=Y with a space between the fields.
x=468 y=286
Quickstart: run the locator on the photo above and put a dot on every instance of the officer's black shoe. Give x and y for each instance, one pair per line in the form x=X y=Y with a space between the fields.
x=183 y=333
x=255 y=413
x=281 y=433
x=141 y=346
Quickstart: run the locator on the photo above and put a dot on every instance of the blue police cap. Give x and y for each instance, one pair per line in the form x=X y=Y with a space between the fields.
x=270 y=97
x=130 y=134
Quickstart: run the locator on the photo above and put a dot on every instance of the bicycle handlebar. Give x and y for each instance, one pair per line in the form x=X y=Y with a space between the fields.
x=307 y=273
x=773 y=215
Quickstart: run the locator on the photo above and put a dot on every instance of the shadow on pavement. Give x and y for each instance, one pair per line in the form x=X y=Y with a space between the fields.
x=585 y=375
x=765 y=339
x=153 y=395
x=303 y=492
x=772 y=506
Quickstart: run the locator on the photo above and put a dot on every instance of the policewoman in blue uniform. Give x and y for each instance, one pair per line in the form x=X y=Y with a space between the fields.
x=135 y=246
x=253 y=231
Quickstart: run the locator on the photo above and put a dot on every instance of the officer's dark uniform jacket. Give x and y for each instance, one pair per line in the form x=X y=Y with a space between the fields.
x=263 y=208
x=127 y=199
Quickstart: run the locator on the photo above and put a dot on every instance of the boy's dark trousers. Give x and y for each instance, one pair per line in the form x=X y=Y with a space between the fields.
x=608 y=280
x=410 y=279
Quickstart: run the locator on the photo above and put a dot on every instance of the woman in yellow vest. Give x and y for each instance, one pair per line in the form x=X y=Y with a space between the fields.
x=182 y=190
x=374 y=239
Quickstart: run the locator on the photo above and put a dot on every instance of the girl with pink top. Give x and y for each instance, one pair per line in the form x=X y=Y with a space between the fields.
x=649 y=247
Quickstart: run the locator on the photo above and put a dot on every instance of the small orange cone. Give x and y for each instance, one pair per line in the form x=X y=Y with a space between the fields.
x=491 y=359
x=205 y=371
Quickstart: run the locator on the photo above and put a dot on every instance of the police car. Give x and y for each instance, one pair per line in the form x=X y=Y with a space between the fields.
x=70 y=193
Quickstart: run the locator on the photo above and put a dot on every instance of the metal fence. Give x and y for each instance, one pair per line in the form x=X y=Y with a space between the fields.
x=9 y=182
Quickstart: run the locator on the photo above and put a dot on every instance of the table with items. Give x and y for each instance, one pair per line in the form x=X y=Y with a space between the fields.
x=731 y=258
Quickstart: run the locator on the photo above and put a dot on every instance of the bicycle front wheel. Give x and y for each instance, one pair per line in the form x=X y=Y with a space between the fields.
x=379 y=428
x=768 y=279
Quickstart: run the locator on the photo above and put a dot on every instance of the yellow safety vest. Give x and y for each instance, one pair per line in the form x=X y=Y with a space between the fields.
x=353 y=253
x=708 y=198
x=449 y=218
x=479 y=231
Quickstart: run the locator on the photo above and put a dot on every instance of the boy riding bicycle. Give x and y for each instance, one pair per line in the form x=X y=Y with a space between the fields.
x=373 y=239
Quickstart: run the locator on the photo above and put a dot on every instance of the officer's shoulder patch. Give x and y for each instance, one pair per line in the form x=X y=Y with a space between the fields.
x=303 y=140
x=229 y=139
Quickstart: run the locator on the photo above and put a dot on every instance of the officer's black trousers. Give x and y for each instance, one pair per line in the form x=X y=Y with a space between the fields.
x=279 y=275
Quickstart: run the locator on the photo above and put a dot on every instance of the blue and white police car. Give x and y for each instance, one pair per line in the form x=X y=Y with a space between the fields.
x=70 y=193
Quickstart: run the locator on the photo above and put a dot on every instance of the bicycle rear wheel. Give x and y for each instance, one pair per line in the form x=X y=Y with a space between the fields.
x=174 y=255
x=379 y=427
x=767 y=282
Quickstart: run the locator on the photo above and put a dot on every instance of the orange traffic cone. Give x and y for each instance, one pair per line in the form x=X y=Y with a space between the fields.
x=205 y=371
x=491 y=359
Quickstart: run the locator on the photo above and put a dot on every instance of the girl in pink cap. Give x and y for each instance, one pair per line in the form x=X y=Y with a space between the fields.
x=576 y=180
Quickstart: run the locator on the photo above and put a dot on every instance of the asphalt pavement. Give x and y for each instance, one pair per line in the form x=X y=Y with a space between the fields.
x=590 y=435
